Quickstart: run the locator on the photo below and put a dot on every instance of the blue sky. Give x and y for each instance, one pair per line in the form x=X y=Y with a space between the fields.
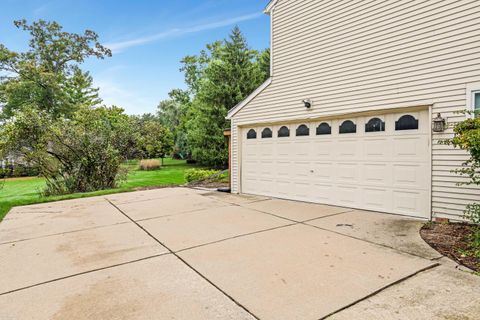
x=149 y=38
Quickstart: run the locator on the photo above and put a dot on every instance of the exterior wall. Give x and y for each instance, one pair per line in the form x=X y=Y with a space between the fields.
x=355 y=56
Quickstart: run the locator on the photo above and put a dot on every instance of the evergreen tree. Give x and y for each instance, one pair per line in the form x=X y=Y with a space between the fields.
x=218 y=79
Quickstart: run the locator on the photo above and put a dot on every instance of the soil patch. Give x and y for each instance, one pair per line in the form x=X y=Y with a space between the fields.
x=451 y=240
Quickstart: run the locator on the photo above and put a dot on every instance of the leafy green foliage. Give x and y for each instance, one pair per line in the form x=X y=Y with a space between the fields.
x=80 y=154
x=47 y=76
x=467 y=137
x=155 y=140
x=193 y=175
x=218 y=79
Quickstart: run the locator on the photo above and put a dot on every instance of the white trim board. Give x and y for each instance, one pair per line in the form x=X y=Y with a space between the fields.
x=270 y=6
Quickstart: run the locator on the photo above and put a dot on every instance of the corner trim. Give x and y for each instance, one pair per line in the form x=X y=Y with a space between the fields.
x=242 y=104
x=270 y=6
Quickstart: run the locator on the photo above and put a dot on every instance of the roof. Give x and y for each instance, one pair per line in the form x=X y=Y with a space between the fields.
x=270 y=6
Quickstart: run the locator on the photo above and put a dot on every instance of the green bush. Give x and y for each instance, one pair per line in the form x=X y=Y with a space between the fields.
x=193 y=175
x=16 y=171
x=80 y=154
x=467 y=137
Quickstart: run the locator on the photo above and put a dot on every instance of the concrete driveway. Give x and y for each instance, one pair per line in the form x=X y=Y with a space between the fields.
x=181 y=253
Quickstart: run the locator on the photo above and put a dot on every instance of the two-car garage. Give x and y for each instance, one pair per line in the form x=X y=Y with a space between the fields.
x=372 y=161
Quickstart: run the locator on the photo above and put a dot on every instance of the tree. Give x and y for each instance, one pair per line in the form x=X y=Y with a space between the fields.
x=219 y=78
x=80 y=91
x=47 y=76
x=156 y=141
x=78 y=154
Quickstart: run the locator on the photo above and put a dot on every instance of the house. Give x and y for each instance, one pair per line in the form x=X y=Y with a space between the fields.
x=347 y=116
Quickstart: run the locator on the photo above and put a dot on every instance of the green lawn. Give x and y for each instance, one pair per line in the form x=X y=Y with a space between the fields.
x=23 y=191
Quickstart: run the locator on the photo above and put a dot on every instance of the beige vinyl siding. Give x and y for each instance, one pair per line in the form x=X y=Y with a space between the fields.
x=360 y=55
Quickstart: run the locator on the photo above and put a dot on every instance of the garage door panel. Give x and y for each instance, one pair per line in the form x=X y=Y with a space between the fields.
x=265 y=169
x=301 y=170
x=377 y=199
x=347 y=196
x=283 y=169
x=410 y=176
x=266 y=150
x=377 y=149
x=383 y=171
x=283 y=188
x=284 y=150
x=323 y=192
x=324 y=171
x=410 y=148
x=347 y=149
x=251 y=151
x=323 y=150
x=409 y=202
x=376 y=174
x=301 y=190
x=347 y=173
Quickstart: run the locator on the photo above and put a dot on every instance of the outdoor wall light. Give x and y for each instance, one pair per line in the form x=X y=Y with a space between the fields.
x=439 y=123
x=307 y=103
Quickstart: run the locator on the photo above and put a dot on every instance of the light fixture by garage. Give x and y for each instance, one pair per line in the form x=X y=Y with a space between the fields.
x=307 y=103
x=439 y=123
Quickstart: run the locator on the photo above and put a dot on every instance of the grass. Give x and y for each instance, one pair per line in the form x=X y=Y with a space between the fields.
x=24 y=191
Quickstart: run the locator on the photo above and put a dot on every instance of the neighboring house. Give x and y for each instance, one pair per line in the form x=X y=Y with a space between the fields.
x=376 y=74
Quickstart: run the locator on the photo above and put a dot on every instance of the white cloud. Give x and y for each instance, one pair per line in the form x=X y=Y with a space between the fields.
x=113 y=94
x=122 y=45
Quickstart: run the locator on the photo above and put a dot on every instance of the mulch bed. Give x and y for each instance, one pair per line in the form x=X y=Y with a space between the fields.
x=450 y=239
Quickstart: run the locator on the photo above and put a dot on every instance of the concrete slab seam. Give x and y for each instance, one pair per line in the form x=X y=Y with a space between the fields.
x=186 y=263
x=381 y=289
x=84 y=272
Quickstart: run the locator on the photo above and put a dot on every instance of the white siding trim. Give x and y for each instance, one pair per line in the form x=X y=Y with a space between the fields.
x=471 y=88
x=270 y=6
x=255 y=93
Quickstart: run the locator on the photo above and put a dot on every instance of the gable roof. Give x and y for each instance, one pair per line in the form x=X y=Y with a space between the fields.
x=270 y=6
x=242 y=104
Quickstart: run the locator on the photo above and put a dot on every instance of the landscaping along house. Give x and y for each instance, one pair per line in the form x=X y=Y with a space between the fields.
x=359 y=99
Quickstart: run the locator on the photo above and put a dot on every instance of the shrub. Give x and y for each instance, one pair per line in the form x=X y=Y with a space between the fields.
x=80 y=154
x=193 y=175
x=150 y=164
x=467 y=137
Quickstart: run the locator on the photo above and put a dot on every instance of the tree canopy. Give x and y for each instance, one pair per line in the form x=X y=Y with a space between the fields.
x=217 y=79
x=47 y=76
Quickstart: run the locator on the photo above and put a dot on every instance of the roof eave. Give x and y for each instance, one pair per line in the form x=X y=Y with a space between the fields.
x=270 y=6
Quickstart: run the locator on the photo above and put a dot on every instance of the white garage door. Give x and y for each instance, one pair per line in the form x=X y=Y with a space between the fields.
x=379 y=163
